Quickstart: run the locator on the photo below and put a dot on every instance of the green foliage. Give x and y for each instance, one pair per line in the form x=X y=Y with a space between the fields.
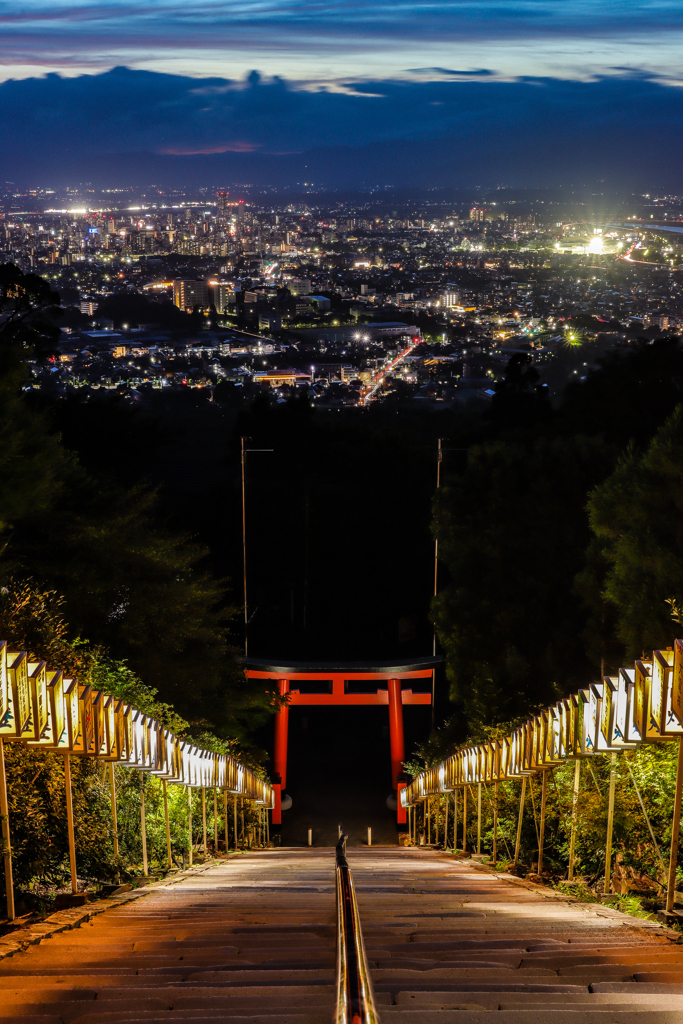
x=636 y=515
x=512 y=533
x=32 y=618
x=37 y=807
x=142 y=592
x=638 y=866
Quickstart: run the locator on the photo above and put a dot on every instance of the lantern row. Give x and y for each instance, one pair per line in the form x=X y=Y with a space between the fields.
x=42 y=708
x=643 y=704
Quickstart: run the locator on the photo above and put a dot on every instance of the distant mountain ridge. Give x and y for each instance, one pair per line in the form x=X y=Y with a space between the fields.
x=124 y=128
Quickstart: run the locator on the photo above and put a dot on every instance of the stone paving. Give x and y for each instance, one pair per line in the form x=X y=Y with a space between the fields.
x=253 y=938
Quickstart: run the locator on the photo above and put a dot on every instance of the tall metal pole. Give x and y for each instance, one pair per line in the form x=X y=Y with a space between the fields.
x=114 y=820
x=575 y=806
x=169 y=856
x=436 y=579
x=6 y=845
x=519 y=820
x=143 y=824
x=244 y=541
x=70 y=822
x=675 y=829
x=610 y=822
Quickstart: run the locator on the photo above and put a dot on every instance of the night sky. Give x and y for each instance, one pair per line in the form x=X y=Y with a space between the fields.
x=487 y=88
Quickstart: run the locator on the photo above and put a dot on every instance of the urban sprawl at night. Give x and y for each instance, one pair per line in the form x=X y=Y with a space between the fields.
x=352 y=302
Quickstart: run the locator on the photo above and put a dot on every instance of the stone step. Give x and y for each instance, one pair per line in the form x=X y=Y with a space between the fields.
x=312 y=1017
x=471 y=1013
x=37 y=1019
x=494 y=1001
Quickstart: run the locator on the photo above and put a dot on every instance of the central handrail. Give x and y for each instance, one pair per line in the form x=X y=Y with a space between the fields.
x=355 y=998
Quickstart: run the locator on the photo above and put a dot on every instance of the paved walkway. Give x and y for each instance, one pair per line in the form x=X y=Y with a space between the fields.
x=253 y=939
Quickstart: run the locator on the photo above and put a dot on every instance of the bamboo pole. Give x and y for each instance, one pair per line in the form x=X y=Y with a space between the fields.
x=675 y=829
x=143 y=824
x=495 y=825
x=479 y=817
x=242 y=817
x=533 y=807
x=114 y=819
x=204 y=818
x=575 y=805
x=610 y=821
x=235 y=819
x=225 y=819
x=169 y=856
x=428 y=826
x=267 y=818
x=647 y=819
x=189 y=805
x=541 y=826
x=6 y=844
x=445 y=825
x=455 y=819
x=464 y=819
x=215 y=822
x=519 y=820
x=437 y=801
x=70 y=822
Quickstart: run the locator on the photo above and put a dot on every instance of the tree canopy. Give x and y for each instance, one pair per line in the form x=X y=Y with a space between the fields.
x=637 y=516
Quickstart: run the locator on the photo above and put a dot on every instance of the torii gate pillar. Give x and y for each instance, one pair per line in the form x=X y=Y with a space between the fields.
x=338 y=687
x=280 y=751
x=397 y=742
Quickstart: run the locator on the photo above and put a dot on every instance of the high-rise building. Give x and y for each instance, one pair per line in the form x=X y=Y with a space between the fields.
x=224 y=297
x=222 y=196
x=188 y=293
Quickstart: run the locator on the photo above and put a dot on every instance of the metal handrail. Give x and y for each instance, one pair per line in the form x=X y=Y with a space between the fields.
x=355 y=997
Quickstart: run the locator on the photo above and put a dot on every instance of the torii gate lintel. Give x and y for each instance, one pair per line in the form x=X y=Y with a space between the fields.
x=337 y=692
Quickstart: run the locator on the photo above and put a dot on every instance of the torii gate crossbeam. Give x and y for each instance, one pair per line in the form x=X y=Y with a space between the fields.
x=334 y=680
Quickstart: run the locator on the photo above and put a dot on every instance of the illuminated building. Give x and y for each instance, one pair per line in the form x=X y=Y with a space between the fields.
x=188 y=293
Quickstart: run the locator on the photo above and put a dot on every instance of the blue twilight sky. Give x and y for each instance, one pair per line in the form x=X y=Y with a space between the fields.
x=310 y=41
x=514 y=89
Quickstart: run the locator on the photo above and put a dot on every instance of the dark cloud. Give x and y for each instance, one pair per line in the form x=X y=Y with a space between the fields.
x=431 y=72
x=137 y=126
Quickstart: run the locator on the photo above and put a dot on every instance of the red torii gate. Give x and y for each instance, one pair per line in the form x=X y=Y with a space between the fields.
x=335 y=677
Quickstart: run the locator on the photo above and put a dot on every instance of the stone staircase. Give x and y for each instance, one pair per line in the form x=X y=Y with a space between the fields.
x=253 y=939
